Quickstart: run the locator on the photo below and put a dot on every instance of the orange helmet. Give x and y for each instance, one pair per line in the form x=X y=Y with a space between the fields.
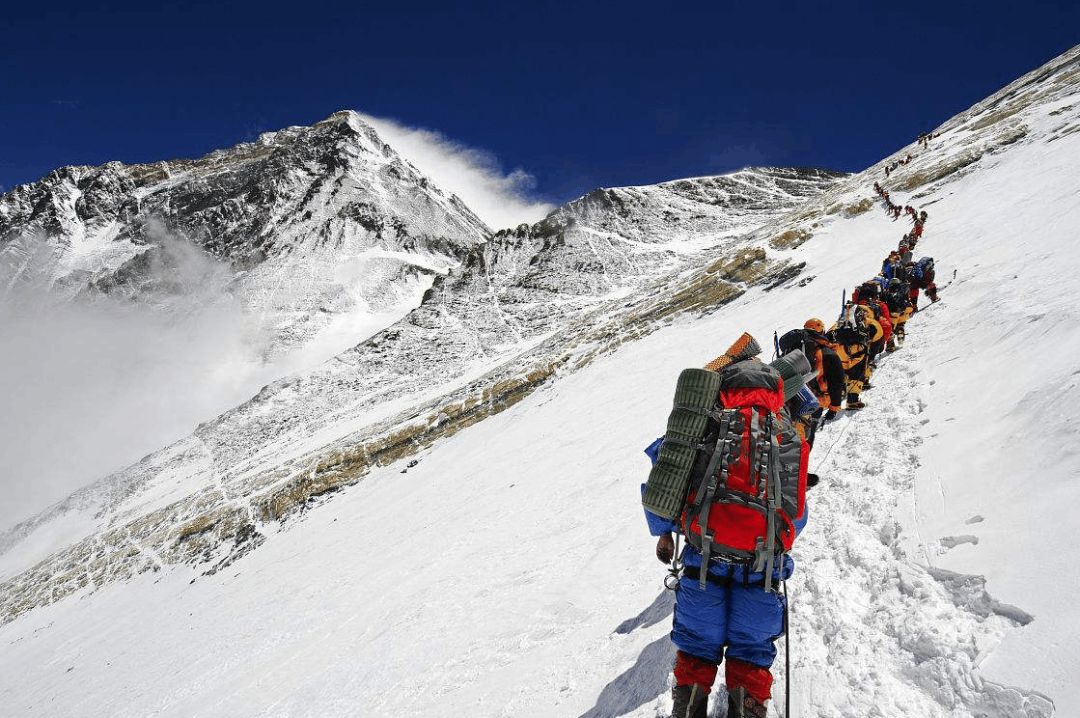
x=815 y=325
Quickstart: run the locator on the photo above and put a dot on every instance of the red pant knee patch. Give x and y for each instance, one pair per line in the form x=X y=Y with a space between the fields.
x=690 y=670
x=756 y=680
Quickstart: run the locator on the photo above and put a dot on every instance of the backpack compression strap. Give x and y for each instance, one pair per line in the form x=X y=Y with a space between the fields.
x=774 y=494
x=707 y=489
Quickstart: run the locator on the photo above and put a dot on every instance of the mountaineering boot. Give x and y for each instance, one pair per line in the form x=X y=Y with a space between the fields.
x=853 y=402
x=690 y=701
x=742 y=705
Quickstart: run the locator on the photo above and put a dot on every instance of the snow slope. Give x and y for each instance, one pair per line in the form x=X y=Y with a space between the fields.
x=509 y=571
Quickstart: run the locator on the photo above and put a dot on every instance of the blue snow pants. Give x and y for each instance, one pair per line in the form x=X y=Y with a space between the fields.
x=745 y=619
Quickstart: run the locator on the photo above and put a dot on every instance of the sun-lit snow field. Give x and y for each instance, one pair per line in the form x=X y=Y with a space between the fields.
x=510 y=573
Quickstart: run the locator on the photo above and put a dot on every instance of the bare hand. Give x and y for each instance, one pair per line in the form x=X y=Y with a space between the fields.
x=665 y=548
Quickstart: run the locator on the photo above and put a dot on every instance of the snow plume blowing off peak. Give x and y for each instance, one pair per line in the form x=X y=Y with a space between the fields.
x=94 y=384
x=474 y=175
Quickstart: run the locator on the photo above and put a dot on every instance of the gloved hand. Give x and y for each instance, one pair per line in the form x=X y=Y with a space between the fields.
x=665 y=548
x=812 y=480
x=830 y=414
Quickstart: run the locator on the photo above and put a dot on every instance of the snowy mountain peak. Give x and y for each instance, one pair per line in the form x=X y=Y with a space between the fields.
x=331 y=206
x=350 y=119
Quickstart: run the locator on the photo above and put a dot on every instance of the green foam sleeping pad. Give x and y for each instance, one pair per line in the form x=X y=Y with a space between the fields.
x=695 y=395
x=795 y=370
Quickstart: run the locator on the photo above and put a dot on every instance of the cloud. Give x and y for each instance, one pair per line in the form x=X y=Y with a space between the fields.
x=92 y=385
x=502 y=200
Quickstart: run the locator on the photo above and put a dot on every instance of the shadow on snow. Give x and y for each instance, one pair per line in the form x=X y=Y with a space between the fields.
x=648 y=677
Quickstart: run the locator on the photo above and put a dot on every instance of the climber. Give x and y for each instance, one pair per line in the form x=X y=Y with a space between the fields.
x=727 y=606
x=829 y=384
x=851 y=337
x=899 y=303
x=891 y=264
x=900 y=271
x=869 y=297
x=921 y=276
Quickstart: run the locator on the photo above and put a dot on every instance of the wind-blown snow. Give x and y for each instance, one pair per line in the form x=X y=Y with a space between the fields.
x=499 y=198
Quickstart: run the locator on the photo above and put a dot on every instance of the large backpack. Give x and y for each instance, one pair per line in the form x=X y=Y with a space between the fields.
x=792 y=340
x=734 y=471
x=922 y=268
x=875 y=307
x=897 y=299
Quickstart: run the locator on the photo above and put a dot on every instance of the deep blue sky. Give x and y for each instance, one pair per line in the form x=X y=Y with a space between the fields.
x=579 y=94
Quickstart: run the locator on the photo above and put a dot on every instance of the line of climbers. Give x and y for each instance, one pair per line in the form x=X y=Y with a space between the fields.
x=923 y=141
x=730 y=477
x=925 y=137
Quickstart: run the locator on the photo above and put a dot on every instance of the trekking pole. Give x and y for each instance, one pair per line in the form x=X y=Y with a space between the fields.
x=776 y=344
x=787 y=655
